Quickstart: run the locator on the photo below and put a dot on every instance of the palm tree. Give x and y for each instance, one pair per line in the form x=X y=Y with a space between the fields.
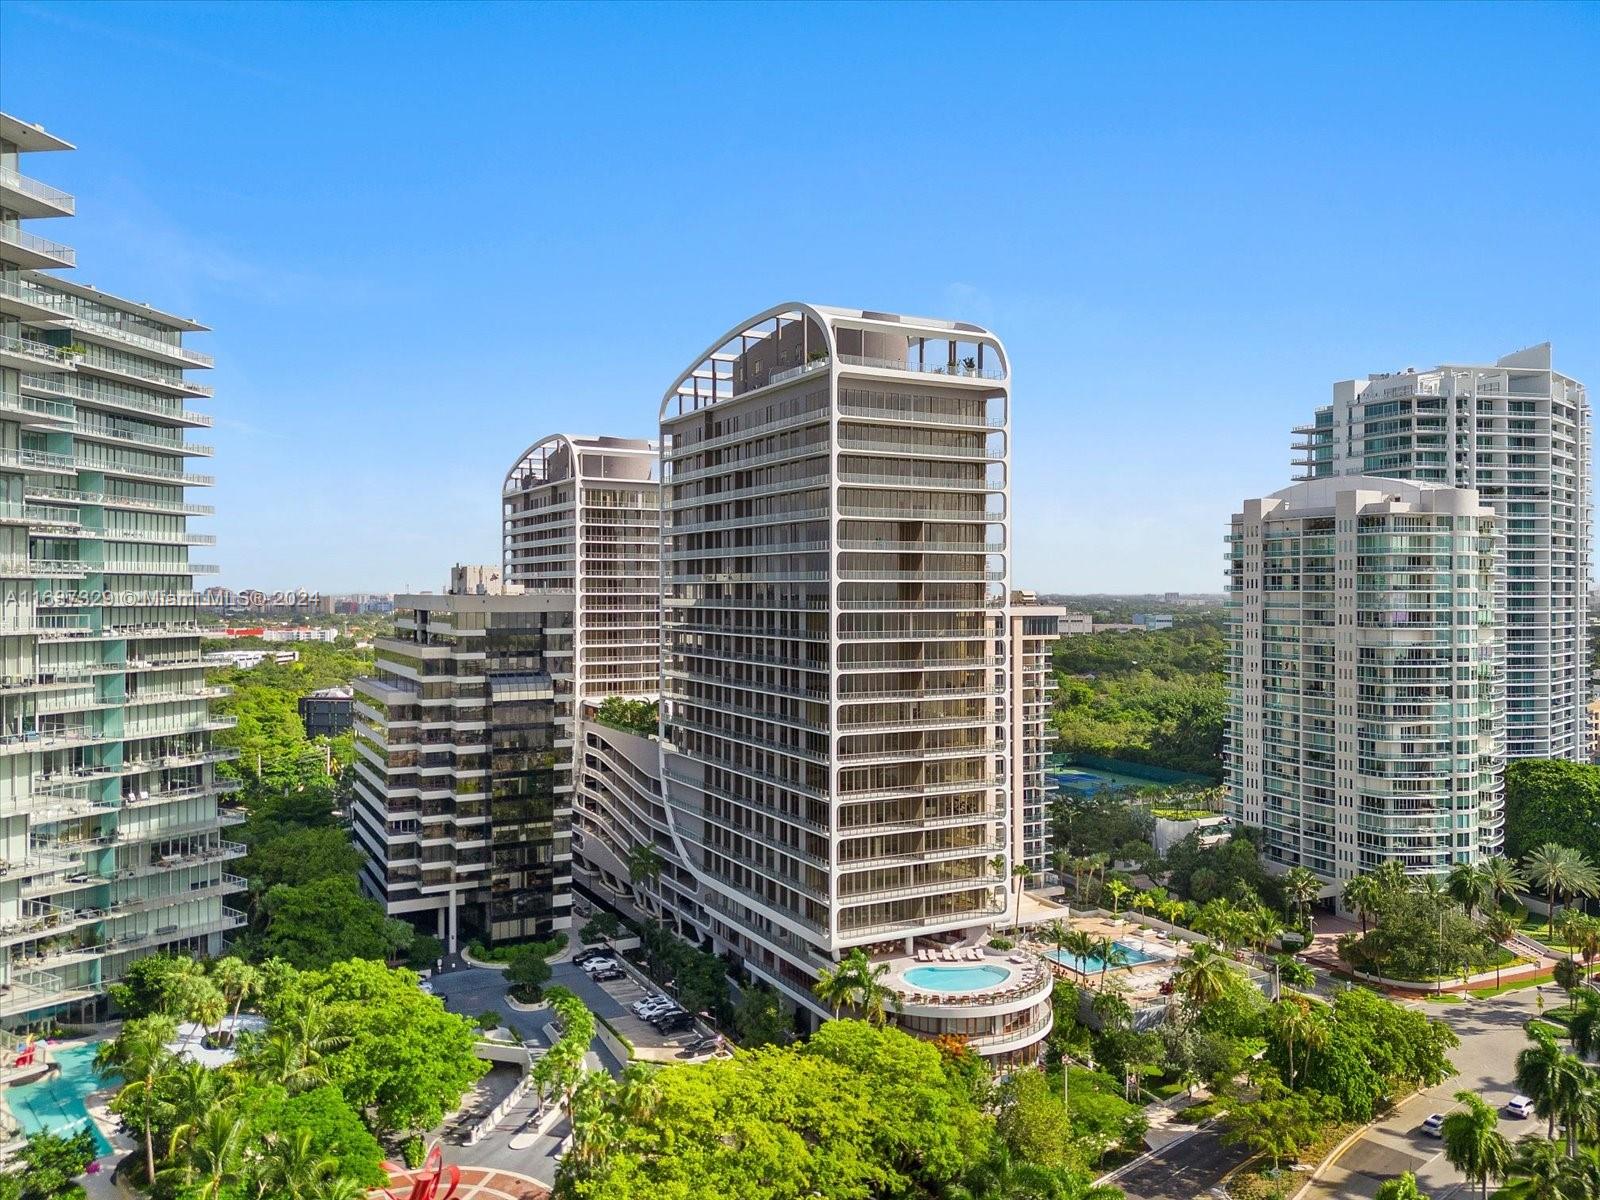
x=1111 y=955
x=140 y=1055
x=1080 y=868
x=1473 y=1142
x=1097 y=866
x=215 y=1149
x=238 y=981
x=1296 y=1021
x=294 y=1169
x=1361 y=894
x=1588 y=941
x=1469 y=887
x=1391 y=879
x=1116 y=889
x=834 y=987
x=1081 y=945
x=1058 y=931
x=192 y=1091
x=1500 y=929
x=644 y=866
x=1302 y=888
x=207 y=1007
x=1204 y=976
x=1401 y=1187
x=596 y=1125
x=1020 y=874
x=1561 y=872
x=1004 y=1175
x=1172 y=910
x=1536 y=1172
x=1503 y=878
x=1584 y=1025
x=638 y=1092
x=1554 y=1080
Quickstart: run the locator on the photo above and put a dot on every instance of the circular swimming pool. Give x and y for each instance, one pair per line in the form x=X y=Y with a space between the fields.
x=957 y=978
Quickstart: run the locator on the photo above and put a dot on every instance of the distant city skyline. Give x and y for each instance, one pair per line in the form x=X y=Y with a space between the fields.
x=1182 y=244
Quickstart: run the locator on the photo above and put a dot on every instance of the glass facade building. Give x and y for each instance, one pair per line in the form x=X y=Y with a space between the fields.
x=1519 y=433
x=111 y=828
x=463 y=797
x=1366 y=676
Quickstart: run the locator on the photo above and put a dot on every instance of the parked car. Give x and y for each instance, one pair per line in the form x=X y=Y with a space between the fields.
x=600 y=964
x=593 y=952
x=652 y=1004
x=609 y=975
x=1520 y=1106
x=674 y=1022
x=1434 y=1126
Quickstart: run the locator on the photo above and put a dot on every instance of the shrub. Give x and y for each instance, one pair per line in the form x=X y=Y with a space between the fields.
x=488 y=1019
x=413 y=1151
x=1002 y=943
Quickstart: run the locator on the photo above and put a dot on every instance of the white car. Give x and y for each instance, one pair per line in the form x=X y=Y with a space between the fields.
x=426 y=987
x=1434 y=1126
x=599 y=964
x=651 y=1004
x=1520 y=1106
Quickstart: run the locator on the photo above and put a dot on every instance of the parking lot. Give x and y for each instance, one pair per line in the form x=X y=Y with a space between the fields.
x=621 y=995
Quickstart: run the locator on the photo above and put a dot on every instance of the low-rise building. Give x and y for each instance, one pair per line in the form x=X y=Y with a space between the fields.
x=327 y=711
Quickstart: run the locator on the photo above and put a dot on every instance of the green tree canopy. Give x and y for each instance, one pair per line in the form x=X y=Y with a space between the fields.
x=1552 y=800
x=401 y=1055
x=856 y=1111
x=324 y=922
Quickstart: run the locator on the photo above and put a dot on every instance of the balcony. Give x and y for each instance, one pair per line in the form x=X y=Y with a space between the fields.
x=944 y=370
x=29 y=250
x=82 y=391
x=26 y=354
x=143 y=375
x=29 y=198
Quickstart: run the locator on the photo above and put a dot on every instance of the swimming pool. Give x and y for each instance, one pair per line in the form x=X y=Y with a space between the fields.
x=1090 y=964
x=55 y=1104
x=956 y=978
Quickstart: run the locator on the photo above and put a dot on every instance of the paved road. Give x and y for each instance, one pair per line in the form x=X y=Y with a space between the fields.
x=1185 y=1170
x=1491 y=1033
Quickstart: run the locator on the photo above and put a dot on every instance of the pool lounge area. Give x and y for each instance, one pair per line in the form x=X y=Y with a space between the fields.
x=1128 y=955
x=997 y=1002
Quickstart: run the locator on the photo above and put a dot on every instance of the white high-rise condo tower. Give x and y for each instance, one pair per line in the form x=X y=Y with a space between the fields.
x=1366 y=676
x=837 y=733
x=1518 y=432
x=583 y=514
x=111 y=840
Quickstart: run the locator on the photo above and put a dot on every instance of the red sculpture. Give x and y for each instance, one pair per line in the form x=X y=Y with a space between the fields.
x=426 y=1183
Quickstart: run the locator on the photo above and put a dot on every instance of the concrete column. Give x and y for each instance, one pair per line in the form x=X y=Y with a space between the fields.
x=450 y=940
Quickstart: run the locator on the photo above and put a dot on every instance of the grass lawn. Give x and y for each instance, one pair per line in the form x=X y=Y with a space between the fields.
x=1538 y=927
x=1510 y=985
x=1443 y=998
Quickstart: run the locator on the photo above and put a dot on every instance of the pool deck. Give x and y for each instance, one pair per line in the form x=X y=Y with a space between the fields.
x=1024 y=973
x=95 y=1103
x=1141 y=980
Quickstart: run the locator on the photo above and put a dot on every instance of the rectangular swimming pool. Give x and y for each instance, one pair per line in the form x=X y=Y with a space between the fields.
x=55 y=1104
x=1090 y=964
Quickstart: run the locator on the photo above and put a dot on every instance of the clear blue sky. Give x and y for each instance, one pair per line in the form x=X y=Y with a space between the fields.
x=428 y=234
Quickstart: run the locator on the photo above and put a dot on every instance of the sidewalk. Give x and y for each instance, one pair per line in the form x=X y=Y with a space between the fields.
x=1165 y=1128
